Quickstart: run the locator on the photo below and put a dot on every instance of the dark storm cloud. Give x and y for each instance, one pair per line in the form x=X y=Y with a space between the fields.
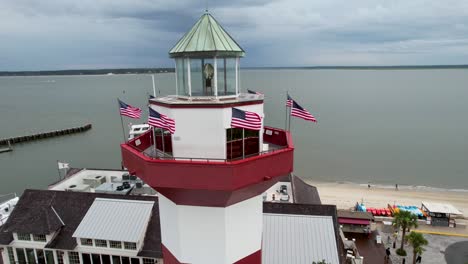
x=57 y=34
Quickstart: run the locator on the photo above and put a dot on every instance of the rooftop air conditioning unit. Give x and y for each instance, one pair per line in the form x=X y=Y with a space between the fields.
x=94 y=180
x=78 y=188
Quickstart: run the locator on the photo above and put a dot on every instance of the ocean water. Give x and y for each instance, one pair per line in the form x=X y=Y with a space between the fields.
x=381 y=126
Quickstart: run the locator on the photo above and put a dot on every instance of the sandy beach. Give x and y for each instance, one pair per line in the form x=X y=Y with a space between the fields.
x=345 y=196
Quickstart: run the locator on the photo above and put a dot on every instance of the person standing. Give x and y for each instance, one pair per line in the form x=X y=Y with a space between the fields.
x=418 y=259
x=396 y=187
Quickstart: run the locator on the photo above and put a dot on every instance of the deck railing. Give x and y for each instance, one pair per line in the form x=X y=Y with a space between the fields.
x=271 y=135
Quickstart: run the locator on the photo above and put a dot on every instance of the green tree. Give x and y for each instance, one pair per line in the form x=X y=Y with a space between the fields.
x=418 y=242
x=405 y=220
x=321 y=262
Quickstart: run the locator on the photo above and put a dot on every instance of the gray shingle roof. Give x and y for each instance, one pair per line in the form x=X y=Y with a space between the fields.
x=71 y=208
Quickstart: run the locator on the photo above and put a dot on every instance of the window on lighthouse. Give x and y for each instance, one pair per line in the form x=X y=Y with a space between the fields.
x=182 y=77
x=202 y=77
x=226 y=76
x=234 y=143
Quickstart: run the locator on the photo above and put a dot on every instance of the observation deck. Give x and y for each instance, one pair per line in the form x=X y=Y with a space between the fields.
x=210 y=182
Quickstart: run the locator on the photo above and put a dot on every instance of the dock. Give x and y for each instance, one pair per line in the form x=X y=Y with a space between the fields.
x=38 y=136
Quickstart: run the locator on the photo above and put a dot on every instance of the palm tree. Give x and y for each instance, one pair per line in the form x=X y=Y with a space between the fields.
x=417 y=240
x=405 y=220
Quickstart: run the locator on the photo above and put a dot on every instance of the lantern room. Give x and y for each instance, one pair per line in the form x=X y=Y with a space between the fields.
x=207 y=61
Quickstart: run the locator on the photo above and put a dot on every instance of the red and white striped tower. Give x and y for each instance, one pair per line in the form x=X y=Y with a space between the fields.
x=210 y=177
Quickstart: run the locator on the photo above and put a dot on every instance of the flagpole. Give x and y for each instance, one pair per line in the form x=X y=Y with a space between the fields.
x=121 y=121
x=154 y=86
x=290 y=110
x=231 y=142
x=155 y=142
x=162 y=134
x=58 y=169
x=286 y=120
x=243 y=144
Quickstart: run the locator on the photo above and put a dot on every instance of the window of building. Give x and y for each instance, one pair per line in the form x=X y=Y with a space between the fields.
x=50 y=257
x=149 y=261
x=21 y=256
x=135 y=261
x=105 y=259
x=96 y=258
x=130 y=245
x=236 y=144
x=11 y=255
x=125 y=260
x=73 y=257
x=30 y=255
x=39 y=238
x=60 y=257
x=116 y=259
x=40 y=256
x=100 y=243
x=86 y=242
x=25 y=237
x=86 y=258
x=115 y=244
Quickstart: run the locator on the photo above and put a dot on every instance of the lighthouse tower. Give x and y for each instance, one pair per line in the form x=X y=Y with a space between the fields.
x=210 y=177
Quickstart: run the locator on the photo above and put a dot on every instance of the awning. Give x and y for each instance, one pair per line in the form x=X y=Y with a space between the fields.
x=441 y=208
x=353 y=221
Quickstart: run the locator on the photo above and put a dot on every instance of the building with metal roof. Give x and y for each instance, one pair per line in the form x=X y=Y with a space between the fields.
x=41 y=229
x=296 y=239
x=115 y=219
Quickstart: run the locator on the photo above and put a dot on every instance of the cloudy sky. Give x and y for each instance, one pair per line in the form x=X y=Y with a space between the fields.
x=78 y=34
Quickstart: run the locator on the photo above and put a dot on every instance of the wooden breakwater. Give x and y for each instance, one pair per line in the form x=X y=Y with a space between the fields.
x=7 y=149
x=56 y=133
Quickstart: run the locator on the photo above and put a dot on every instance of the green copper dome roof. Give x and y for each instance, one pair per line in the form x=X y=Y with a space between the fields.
x=206 y=38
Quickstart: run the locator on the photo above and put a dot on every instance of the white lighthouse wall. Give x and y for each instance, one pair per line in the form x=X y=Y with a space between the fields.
x=244 y=225
x=168 y=216
x=211 y=235
x=201 y=132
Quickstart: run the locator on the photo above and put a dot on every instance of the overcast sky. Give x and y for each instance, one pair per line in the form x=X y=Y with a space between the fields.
x=78 y=34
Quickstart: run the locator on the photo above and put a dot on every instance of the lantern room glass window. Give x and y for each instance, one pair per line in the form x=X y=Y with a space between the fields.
x=227 y=76
x=202 y=77
x=196 y=78
x=182 y=77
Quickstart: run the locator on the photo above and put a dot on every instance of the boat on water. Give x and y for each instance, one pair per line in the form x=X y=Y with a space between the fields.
x=136 y=130
x=7 y=206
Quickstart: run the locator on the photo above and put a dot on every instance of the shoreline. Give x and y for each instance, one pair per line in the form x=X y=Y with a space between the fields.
x=345 y=195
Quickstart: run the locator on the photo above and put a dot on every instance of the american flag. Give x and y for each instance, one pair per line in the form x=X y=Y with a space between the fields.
x=128 y=110
x=253 y=92
x=300 y=112
x=289 y=101
x=159 y=120
x=246 y=119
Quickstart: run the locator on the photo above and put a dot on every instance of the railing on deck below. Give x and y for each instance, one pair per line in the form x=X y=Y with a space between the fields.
x=277 y=137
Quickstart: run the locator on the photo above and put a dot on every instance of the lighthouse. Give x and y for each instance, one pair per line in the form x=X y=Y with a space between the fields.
x=210 y=176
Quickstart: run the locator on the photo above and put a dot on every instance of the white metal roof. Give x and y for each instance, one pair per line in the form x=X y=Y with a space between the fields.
x=441 y=208
x=115 y=219
x=298 y=239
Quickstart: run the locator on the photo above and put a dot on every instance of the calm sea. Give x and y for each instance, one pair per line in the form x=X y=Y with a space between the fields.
x=382 y=126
